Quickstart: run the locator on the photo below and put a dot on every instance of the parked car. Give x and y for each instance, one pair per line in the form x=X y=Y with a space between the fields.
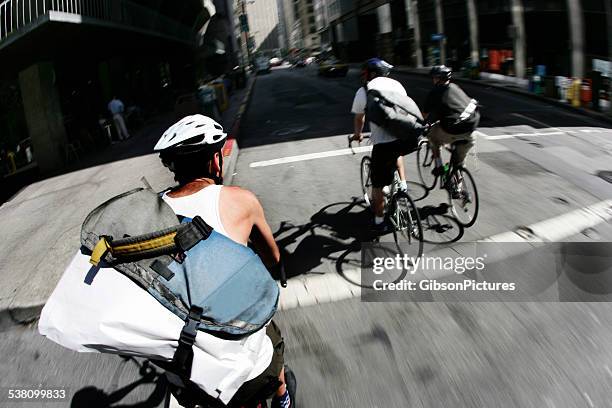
x=275 y=61
x=262 y=66
x=301 y=63
x=333 y=67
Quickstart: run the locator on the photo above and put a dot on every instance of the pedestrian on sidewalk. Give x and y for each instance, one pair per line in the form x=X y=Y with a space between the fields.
x=116 y=108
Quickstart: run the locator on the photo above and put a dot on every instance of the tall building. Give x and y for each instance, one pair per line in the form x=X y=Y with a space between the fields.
x=513 y=37
x=310 y=38
x=322 y=22
x=264 y=26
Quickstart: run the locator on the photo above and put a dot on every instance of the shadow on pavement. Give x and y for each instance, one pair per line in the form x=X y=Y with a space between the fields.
x=336 y=232
x=92 y=397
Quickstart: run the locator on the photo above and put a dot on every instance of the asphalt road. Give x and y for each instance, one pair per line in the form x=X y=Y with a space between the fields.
x=429 y=354
x=349 y=353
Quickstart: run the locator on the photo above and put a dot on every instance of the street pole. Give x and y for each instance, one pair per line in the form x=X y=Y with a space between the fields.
x=440 y=27
x=518 y=23
x=608 y=6
x=246 y=30
x=473 y=23
x=413 y=22
x=574 y=13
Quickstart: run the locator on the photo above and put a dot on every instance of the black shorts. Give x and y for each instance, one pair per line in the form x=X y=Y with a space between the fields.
x=384 y=159
x=259 y=388
x=266 y=383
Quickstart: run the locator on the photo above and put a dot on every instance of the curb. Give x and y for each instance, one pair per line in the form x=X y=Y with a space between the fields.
x=231 y=150
x=582 y=111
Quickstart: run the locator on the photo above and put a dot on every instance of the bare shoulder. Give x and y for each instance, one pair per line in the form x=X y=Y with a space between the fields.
x=240 y=199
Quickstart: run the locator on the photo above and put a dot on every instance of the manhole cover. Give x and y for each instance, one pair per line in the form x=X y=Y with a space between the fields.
x=606 y=175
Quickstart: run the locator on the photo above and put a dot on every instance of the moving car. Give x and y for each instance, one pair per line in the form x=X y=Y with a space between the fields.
x=262 y=65
x=333 y=67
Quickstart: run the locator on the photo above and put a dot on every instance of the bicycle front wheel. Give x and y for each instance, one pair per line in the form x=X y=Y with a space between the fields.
x=464 y=202
x=425 y=165
x=408 y=231
x=366 y=179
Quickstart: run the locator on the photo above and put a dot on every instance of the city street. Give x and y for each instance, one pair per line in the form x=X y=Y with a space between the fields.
x=533 y=162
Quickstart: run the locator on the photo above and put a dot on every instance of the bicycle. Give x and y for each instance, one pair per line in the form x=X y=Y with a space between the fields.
x=400 y=209
x=457 y=181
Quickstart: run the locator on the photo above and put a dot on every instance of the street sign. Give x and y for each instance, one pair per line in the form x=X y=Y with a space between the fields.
x=437 y=37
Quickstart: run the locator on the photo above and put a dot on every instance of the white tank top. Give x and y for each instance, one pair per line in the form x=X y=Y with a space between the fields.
x=204 y=203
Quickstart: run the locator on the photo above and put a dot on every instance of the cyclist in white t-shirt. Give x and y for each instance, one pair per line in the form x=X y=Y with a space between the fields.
x=388 y=150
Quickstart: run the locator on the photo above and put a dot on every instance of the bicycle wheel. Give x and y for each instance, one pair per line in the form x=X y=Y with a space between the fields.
x=425 y=165
x=366 y=179
x=465 y=206
x=404 y=217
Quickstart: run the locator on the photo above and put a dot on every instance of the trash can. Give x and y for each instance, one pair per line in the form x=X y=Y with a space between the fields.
x=575 y=95
x=586 y=92
x=596 y=83
x=535 y=85
x=550 y=90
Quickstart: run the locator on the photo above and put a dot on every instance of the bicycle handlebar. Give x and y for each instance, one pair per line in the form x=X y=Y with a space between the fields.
x=350 y=141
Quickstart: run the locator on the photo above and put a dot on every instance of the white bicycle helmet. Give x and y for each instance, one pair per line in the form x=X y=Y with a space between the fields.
x=192 y=134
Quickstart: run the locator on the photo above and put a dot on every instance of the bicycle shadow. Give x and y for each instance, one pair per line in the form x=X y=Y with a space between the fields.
x=305 y=247
x=331 y=241
x=92 y=397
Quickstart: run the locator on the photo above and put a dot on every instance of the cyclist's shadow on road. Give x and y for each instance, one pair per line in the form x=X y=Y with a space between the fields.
x=335 y=234
x=332 y=230
x=92 y=397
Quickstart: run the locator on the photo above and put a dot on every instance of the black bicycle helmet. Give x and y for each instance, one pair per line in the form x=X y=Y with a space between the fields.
x=441 y=71
x=378 y=66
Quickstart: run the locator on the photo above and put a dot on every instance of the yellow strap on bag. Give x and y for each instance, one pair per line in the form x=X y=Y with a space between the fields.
x=101 y=248
x=165 y=241
x=104 y=245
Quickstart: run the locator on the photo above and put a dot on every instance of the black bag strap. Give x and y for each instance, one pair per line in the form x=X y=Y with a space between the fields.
x=183 y=356
x=192 y=233
x=164 y=242
x=376 y=94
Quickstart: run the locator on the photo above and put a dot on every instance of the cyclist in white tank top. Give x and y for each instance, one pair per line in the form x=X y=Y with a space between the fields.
x=204 y=203
x=191 y=149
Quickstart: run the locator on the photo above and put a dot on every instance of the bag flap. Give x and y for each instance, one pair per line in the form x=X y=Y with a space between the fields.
x=136 y=212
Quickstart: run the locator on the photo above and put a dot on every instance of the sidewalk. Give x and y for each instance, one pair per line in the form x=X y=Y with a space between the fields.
x=514 y=85
x=41 y=224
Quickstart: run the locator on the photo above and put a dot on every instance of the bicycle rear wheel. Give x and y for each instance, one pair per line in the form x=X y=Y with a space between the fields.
x=425 y=165
x=366 y=179
x=404 y=217
x=465 y=206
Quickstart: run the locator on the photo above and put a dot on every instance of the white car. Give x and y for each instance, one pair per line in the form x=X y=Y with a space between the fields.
x=275 y=61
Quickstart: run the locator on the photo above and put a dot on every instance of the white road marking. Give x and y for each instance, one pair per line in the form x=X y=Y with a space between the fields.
x=317 y=289
x=311 y=156
x=588 y=399
x=513 y=135
x=546 y=125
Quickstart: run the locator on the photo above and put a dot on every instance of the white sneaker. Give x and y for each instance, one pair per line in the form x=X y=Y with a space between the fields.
x=386 y=190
